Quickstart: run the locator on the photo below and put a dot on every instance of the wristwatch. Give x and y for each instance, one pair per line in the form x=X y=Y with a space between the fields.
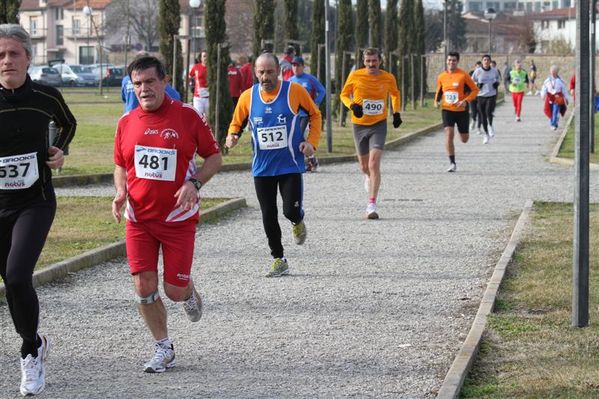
x=196 y=183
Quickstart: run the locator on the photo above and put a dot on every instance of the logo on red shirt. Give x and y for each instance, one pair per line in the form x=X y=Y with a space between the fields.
x=169 y=134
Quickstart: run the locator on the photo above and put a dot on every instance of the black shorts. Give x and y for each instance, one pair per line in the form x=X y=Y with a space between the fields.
x=451 y=118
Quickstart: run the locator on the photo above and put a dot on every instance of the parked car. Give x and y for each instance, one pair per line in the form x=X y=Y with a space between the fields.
x=45 y=75
x=69 y=77
x=114 y=75
x=111 y=74
x=86 y=75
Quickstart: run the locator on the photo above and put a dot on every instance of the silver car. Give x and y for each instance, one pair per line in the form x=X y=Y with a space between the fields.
x=45 y=75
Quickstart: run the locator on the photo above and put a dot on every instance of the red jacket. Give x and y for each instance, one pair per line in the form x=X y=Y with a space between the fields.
x=247 y=76
x=235 y=84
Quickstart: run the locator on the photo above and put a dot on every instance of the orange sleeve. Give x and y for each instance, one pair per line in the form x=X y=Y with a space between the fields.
x=241 y=113
x=347 y=90
x=299 y=97
x=473 y=88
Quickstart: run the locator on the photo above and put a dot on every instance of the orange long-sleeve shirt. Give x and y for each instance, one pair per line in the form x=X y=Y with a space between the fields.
x=298 y=97
x=371 y=92
x=451 y=87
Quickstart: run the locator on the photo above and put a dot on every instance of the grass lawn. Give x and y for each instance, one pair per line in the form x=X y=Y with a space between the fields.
x=76 y=229
x=567 y=149
x=97 y=116
x=529 y=349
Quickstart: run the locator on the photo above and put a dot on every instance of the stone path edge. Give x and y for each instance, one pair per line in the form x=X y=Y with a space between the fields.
x=454 y=379
x=554 y=158
x=110 y=251
x=82 y=180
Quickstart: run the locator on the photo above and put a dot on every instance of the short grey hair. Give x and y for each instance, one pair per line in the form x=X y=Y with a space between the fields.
x=16 y=32
x=554 y=68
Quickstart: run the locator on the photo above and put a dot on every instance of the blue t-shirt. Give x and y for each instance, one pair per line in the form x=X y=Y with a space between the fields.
x=129 y=98
x=276 y=135
x=312 y=85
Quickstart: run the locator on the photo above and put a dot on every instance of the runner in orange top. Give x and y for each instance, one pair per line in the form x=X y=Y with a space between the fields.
x=455 y=89
x=366 y=92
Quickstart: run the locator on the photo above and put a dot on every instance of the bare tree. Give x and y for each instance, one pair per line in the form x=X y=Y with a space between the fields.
x=239 y=18
x=141 y=17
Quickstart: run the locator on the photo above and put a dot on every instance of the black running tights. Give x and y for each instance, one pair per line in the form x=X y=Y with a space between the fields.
x=486 y=108
x=291 y=188
x=22 y=237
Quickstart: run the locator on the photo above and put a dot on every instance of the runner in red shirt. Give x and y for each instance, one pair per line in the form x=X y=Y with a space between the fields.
x=247 y=73
x=199 y=74
x=235 y=83
x=155 y=174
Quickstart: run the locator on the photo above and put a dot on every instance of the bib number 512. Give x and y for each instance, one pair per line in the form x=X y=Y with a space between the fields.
x=271 y=137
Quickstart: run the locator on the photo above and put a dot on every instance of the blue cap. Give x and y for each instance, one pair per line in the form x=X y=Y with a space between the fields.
x=297 y=60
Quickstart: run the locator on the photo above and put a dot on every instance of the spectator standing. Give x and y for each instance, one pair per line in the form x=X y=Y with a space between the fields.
x=285 y=63
x=317 y=93
x=201 y=94
x=235 y=82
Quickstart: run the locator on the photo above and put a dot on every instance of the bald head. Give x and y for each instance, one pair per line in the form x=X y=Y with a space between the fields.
x=267 y=71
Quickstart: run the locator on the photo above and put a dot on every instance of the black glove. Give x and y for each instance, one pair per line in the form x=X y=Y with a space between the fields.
x=357 y=110
x=495 y=85
x=397 y=120
x=480 y=85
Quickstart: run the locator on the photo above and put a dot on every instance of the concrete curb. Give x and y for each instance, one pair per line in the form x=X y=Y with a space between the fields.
x=101 y=178
x=554 y=158
x=454 y=378
x=111 y=251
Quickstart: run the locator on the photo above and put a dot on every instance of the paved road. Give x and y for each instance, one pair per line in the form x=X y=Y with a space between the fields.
x=371 y=308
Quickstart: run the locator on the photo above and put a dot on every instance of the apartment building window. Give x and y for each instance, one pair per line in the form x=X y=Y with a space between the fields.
x=76 y=26
x=545 y=25
x=561 y=24
x=59 y=13
x=475 y=6
x=86 y=55
x=33 y=27
x=59 y=35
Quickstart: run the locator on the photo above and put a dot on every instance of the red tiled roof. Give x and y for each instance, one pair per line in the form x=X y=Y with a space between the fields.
x=31 y=5
x=556 y=14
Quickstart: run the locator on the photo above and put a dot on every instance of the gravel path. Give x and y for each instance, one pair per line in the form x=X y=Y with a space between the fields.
x=371 y=308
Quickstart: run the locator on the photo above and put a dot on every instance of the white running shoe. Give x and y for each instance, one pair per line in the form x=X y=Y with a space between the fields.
x=164 y=358
x=452 y=167
x=529 y=93
x=33 y=373
x=486 y=139
x=193 y=306
x=491 y=131
x=371 y=211
x=518 y=119
x=478 y=130
x=472 y=125
x=367 y=183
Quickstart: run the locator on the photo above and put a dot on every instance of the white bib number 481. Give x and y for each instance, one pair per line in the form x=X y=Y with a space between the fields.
x=18 y=171
x=155 y=163
x=373 y=107
x=272 y=138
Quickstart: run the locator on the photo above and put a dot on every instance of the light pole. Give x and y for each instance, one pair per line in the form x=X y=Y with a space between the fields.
x=87 y=10
x=445 y=45
x=490 y=15
x=193 y=5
